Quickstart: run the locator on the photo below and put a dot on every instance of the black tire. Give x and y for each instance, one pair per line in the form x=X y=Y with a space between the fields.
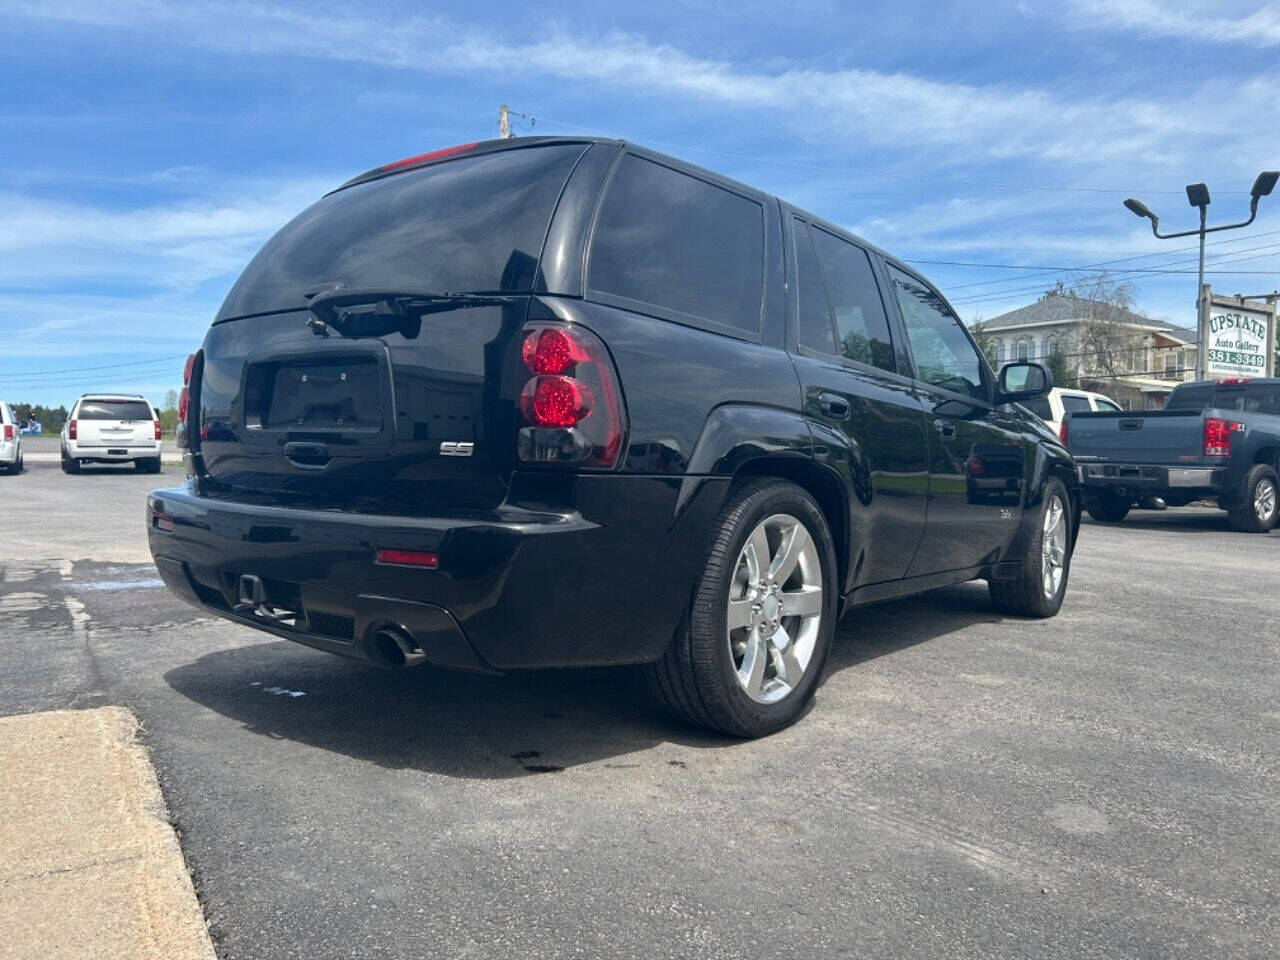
x=1253 y=515
x=696 y=677
x=1025 y=594
x=1106 y=507
x=147 y=465
x=69 y=465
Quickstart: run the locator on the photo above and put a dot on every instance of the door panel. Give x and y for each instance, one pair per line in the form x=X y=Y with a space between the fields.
x=976 y=474
x=868 y=424
x=977 y=463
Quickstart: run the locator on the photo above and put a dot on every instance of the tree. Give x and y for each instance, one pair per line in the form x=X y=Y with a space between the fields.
x=171 y=400
x=1109 y=344
x=1060 y=365
x=986 y=342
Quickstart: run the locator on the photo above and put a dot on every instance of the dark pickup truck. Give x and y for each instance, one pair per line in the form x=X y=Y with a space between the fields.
x=1213 y=440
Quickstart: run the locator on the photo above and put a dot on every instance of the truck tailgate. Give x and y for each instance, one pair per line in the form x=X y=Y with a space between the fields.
x=1173 y=437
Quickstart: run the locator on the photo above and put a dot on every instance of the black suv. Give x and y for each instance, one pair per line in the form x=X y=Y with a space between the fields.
x=563 y=402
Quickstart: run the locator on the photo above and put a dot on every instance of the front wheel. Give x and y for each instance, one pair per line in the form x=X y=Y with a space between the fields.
x=1260 y=502
x=1041 y=582
x=751 y=648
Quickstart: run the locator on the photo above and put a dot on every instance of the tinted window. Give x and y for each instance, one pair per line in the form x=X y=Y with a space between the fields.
x=1040 y=407
x=1190 y=398
x=471 y=224
x=1074 y=403
x=862 y=328
x=1106 y=406
x=816 y=331
x=1253 y=399
x=114 y=410
x=943 y=354
x=673 y=241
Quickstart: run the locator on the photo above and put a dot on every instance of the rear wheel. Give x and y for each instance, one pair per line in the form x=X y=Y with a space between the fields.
x=69 y=464
x=750 y=651
x=1041 y=583
x=148 y=465
x=1106 y=507
x=1259 y=503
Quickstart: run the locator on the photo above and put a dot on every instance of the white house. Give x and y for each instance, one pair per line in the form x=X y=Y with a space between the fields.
x=1161 y=354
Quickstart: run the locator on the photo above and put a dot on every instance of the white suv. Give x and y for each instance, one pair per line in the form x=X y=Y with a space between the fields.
x=10 y=441
x=112 y=429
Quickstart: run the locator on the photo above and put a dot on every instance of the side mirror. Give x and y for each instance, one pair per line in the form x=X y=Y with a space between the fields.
x=1023 y=380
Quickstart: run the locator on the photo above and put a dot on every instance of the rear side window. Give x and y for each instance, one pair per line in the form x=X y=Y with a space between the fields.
x=1074 y=403
x=1106 y=406
x=676 y=242
x=114 y=410
x=473 y=224
x=816 y=329
x=862 y=327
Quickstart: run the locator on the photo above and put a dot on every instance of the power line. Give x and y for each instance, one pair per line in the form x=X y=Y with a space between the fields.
x=106 y=366
x=1014 y=266
x=1142 y=256
x=847 y=170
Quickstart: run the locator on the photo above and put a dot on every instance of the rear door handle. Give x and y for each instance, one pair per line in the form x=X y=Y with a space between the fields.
x=834 y=405
x=310 y=455
x=946 y=428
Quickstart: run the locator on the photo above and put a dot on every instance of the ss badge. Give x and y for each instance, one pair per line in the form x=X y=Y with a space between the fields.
x=1006 y=513
x=456 y=448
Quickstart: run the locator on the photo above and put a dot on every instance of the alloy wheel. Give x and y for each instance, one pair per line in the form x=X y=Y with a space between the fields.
x=1264 y=499
x=1053 y=547
x=775 y=608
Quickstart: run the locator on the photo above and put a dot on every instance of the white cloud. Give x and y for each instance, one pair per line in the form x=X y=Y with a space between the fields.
x=955 y=122
x=1260 y=28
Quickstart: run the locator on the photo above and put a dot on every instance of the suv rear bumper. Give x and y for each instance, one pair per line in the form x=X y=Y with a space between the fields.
x=601 y=581
x=111 y=454
x=1143 y=477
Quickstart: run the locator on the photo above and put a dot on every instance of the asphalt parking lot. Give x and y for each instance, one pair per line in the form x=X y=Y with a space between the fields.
x=1105 y=784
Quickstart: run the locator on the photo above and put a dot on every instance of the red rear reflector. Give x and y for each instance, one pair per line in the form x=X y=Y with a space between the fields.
x=164 y=523
x=427 y=157
x=186 y=371
x=409 y=558
x=157 y=423
x=71 y=430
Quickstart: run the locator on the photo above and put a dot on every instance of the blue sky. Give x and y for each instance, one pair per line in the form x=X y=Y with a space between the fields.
x=149 y=148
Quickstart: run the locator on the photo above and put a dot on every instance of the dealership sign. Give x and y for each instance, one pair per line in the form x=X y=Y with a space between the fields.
x=1238 y=340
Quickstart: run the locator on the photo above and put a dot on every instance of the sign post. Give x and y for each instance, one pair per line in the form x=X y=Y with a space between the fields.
x=1237 y=337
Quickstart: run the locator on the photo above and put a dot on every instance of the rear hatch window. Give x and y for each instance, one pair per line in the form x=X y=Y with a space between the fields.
x=114 y=410
x=471 y=224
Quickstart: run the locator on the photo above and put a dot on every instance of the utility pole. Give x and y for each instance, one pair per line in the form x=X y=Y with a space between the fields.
x=504 y=123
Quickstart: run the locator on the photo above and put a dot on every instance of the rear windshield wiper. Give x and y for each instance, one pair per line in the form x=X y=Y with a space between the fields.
x=393 y=310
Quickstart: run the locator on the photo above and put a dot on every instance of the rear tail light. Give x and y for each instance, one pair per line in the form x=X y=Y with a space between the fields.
x=8 y=432
x=1063 y=430
x=71 y=430
x=186 y=370
x=157 y=424
x=1217 y=436
x=184 y=401
x=571 y=401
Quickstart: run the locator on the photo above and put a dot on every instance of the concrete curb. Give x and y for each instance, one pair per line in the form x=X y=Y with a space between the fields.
x=89 y=864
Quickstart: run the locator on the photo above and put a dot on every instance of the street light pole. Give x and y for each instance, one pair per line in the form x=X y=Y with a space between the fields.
x=1198 y=196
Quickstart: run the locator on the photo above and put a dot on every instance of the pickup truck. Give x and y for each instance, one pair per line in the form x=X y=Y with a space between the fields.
x=1214 y=440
